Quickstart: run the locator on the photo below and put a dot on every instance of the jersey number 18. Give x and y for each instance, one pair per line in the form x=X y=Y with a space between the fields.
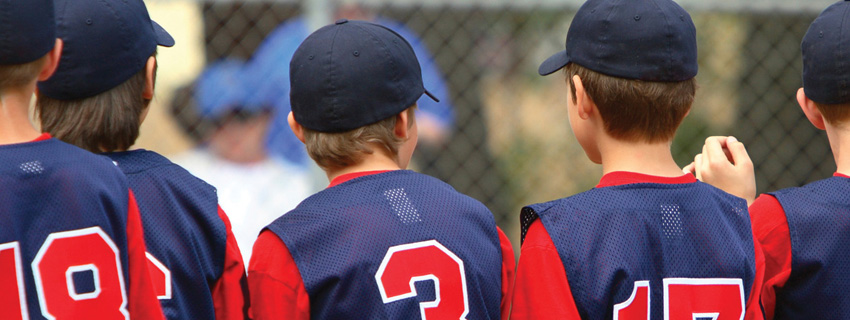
x=62 y=257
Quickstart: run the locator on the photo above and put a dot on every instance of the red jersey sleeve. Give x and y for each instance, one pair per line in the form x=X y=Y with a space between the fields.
x=508 y=273
x=541 y=290
x=754 y=310
x=230 y=292
x=277 y=290
x=143 y=303
x=770 y=227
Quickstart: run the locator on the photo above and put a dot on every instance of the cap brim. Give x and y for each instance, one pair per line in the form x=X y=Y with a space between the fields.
x=554 y=63
x=432 y=96
x=162 y=37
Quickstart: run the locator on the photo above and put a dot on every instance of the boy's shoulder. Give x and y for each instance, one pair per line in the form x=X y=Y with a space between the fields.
x=634 y=195
x=55 y=153
x=829 y=190
x=393 y=187
x=380 y=183
x=138 y=161
x=58 y=163
x=137 y=164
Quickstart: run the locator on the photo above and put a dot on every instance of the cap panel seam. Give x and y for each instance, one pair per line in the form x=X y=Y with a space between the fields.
x=401 y=90
x=606 y=38
x=668 y=45
x=333 y=90
x=124 y=31
x=388 y=56
x=121 y=22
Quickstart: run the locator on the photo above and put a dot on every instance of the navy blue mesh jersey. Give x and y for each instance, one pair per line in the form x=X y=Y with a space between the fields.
x=387 y=245
x=614 y=239
x=819 y=223
x=183 y=231
x=63 y=238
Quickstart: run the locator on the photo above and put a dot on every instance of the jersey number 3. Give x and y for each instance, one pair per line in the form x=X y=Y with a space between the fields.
x=688 y=298
x=404 y=265
x=63 y=257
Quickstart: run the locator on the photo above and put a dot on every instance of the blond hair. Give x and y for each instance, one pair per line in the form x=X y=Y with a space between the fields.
x=339 y=150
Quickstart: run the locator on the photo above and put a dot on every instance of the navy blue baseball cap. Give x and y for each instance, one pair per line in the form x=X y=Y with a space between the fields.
x=105 y=43
x=27 y=30
x=826 y=56
x=649 y=40
x=351 y=74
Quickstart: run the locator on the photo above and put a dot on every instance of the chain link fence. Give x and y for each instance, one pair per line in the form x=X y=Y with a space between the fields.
x=509 y=143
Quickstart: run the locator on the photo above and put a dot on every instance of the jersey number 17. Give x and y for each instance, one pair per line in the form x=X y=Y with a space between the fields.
x=687 y=298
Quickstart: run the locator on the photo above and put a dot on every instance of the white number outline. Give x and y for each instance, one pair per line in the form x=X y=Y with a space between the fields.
x=628 y=302
x=72 y=234
x=19 y=275
x=423 y=305
x=702 y=281
x=159 y=265
x=72 y=288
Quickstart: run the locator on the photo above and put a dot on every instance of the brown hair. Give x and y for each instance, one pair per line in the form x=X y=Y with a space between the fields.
x=108 y=121
x=16 y=75
x=635 y=110
x=834 y=113
x=343 y=149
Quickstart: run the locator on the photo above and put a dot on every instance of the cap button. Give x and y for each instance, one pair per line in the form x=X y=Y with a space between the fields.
x=341 y=21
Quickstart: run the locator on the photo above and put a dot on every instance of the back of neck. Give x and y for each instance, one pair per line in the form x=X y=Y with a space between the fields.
x=15 y=124
x=376 y=161
x=647 y=158
x=839 y=142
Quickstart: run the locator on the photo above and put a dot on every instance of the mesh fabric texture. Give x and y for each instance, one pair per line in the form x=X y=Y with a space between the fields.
x=49 y=187
x=339 y=236
x=608 y=238
x=819 y=222
x=182 y=229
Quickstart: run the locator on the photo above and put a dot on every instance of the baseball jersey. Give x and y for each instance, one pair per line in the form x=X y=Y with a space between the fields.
x=194 y=260
x=805 y=233
x=71 y=241
x=382 y=245
x=639 y=247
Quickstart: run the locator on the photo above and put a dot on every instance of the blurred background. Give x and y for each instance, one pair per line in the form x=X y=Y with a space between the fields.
x=501 y=133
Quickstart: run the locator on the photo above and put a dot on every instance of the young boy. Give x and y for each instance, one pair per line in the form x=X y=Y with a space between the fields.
x=647 y=242
x=97 y=100
x=380 y=242
x=71 y=244
x=252 y=186
x=804 y=231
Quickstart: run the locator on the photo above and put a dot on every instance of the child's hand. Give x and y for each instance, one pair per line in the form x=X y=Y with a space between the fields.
x=725 y=164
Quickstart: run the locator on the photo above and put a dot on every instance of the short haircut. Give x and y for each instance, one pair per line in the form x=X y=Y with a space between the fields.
x=834 y=113
x=635 y=110
x=333 y=151
x=17 y=75
x=108 y=121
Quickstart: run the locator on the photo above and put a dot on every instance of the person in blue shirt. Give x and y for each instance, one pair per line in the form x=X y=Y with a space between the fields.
x=270 y=69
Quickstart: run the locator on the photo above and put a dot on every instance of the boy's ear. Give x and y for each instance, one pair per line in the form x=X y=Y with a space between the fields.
x=402 y=125
x=584 y=104
x=150 y=78
x=811 y=110
x=52 y=63
x=296 y=127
